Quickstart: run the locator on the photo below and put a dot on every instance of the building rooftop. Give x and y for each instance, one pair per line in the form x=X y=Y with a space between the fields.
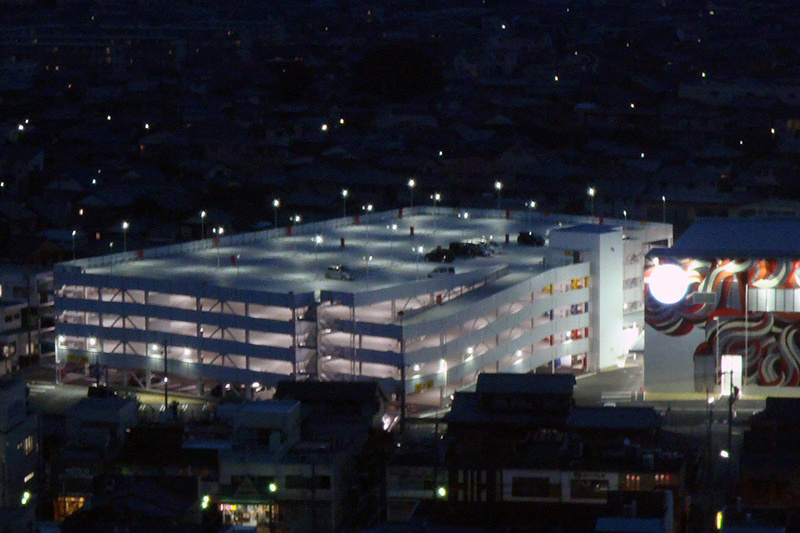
x=591 y=228
x=269 y=407
x=338 y=391
x=506 y=383
x=614 y=418
x=380 y=251
x=7 y=384
x=772 y=237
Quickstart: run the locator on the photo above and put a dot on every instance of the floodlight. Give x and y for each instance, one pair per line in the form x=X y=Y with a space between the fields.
x=668 y=283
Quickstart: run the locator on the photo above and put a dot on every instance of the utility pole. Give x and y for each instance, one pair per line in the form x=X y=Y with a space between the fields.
x=710 y=407
x=734 y=395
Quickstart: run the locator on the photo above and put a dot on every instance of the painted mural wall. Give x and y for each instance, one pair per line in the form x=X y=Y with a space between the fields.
x=767 y=335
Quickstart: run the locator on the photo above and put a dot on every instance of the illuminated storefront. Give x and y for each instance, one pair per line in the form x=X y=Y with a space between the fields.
x=249 y=502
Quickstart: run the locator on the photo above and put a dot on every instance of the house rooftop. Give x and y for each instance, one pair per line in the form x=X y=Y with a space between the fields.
x=7 y=384
x=506 y=383
x=614 y=418
x=326 y=390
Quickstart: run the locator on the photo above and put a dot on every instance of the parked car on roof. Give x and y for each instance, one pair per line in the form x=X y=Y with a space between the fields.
x=339 y=272
x=440 y=255
x=530 y=238
x=466 y=249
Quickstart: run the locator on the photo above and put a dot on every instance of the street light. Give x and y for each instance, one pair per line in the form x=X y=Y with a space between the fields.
x=276 y=203
x=411 y=184
x=498 y=186
x=591 y=193
x=74 y=233
x=710 y=406
x=273 y=489
x=663 y=209
x=125 y=227
x=202 y=225
x=625 y=216
x=418 y=250
x=111 y=261
x=345 y=192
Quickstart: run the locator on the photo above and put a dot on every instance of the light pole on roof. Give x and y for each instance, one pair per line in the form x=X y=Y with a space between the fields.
x=367 y=209
x=436 y=197
x=591 y=192
x=498 y=186
x=218 y=232
x=295 y=221
x=276 y=203
x=318 y=239
x=411 y=184
x=345 y=193
x=367 y=260
x=531 y=205
x=202 y=225
x=392 y=227
x=663 y=209
x=73 y=244
x=125 y=227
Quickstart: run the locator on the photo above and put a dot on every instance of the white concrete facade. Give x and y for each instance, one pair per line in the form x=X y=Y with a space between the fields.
x=257 y=307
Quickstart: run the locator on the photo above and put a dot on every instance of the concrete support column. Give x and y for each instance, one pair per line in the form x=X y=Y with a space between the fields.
x=199 y=334
x=294 y=340
x=124 y=327
x=146 y=318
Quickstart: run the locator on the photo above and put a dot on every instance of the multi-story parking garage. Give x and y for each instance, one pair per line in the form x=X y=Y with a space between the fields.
x=254 y=308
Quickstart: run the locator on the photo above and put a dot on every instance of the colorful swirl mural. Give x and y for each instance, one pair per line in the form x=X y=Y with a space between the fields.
x=716 y=301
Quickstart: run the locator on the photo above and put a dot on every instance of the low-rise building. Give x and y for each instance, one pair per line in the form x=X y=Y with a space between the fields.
x=518 y=446
x=18 y=445
x=95 y=431
x=300 y=462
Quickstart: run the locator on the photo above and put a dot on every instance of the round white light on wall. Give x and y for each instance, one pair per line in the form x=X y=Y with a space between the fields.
x=668 y=283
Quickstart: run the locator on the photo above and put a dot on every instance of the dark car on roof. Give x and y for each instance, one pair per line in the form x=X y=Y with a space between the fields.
x=530 y=238
x=466 y=249
x=440 y=255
